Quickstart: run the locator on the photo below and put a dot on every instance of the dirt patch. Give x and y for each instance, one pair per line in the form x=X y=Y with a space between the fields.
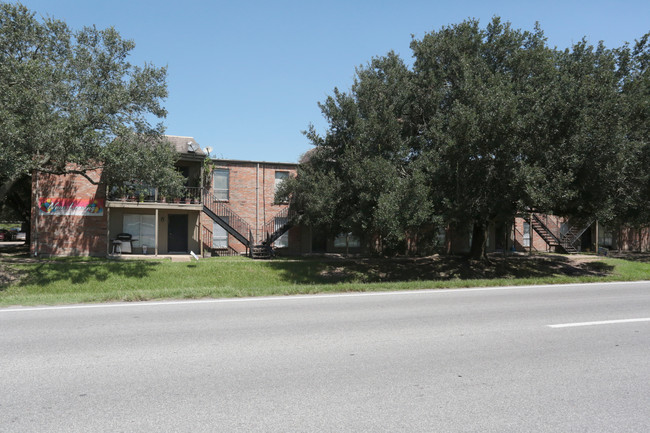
x=8 y=276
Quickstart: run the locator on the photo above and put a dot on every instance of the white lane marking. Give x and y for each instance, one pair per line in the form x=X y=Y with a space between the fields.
x=600 y=322
x=313 y=296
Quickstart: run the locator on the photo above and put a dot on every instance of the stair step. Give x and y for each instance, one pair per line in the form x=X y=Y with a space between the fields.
x=261 y=252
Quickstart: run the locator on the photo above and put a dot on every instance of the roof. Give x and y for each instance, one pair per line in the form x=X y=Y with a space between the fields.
x=185 y=144
x=245 y=161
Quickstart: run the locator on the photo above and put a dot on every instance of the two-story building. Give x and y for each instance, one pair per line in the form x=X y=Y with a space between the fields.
x=227 y=207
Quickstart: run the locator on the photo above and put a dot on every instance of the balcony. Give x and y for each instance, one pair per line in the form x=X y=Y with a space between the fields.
x=189 y=197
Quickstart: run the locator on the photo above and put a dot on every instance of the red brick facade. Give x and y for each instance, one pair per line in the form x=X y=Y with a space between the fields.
x=251 y=195
x=67 y=234
x=525 y=237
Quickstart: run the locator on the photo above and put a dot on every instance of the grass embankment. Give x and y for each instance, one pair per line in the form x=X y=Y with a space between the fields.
x=74 y=280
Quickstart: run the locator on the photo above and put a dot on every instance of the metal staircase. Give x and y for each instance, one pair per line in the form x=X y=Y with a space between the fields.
x=221 y=213
x=553 y=236
x=278 y=225
x=235 y=225
x=275 y=227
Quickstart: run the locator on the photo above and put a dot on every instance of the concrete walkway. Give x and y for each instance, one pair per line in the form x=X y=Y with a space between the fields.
x=173 y=257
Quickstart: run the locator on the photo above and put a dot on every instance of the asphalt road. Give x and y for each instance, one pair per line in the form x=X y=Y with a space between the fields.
x=482 y=360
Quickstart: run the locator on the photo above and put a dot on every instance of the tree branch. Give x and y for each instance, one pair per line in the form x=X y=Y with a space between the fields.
x=79 y=172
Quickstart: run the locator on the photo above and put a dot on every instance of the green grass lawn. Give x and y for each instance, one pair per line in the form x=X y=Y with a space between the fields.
x=74 y=280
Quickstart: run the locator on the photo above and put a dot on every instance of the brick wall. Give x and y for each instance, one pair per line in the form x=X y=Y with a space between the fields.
x=538 y=243
x=67 y=234
x=251 y=196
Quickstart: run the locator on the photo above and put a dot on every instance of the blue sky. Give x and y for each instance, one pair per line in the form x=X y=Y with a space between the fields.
x=245 y=77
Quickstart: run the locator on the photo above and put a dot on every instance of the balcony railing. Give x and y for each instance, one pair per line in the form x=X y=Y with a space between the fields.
x=188 y=195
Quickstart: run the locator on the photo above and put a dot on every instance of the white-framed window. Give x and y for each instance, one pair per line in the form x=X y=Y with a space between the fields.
x=219 y=236
x=221 y=184
x=280 y=176
x=352 y=241
x=526 y=234
x=142 y=228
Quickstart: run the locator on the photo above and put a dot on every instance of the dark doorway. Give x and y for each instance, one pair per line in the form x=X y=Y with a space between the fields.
x=185 y=171
x=586 y=243
x=177 y=234
x=318 y=243
x=500 y=236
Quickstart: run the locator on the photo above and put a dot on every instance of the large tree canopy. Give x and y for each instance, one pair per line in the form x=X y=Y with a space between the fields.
x=487 y=123
x=477 y=92
x=71 y=102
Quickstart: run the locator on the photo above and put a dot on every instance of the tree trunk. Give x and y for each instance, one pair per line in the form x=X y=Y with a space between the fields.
x=479 y=239
x=448 y=234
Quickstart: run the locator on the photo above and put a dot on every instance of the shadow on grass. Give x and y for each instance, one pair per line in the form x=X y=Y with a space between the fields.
x=634 y=257
x=357 y=270
x=14 y=250
x=46 y=273
x=303 y=272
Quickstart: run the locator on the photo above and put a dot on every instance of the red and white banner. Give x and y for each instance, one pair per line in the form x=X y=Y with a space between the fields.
x=71 y=206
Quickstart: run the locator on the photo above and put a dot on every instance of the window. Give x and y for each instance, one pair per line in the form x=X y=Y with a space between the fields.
x=441 y=236
x=140 y=227
x=352 y=241
x=526 y=234
x=221 y=181
x=605 y=238
x=564 y=229
x=280 y=177
x=219 y=236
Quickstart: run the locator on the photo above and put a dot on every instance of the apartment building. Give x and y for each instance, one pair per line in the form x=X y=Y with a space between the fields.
x=227 y=207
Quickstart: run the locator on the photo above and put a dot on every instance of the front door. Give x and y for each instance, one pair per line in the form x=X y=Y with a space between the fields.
x=177 y=234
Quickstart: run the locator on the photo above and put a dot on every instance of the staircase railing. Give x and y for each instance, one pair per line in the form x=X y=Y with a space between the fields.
x=206 y=235
x=278 y=225
x=575 y=232
x=553 y=236
x=551 y=225
x=541 y=227
x=223 y=215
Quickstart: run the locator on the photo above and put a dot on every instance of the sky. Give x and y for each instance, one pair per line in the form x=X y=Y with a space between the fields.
x=245 y=77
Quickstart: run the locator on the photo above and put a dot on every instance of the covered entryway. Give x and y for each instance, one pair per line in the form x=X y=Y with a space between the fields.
x=177 y=233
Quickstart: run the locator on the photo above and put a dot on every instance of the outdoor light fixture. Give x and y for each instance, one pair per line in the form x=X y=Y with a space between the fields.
x=209 y=150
